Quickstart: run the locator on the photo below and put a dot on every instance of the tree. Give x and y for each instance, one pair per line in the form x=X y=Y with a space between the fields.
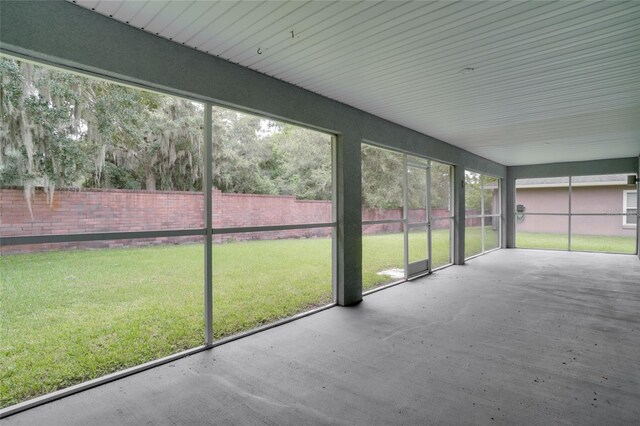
x=300 y=163
x=252 y=155
x=382 y=186
x=472 y=191
x=440 y=185
x=41 y=142
x=238 y=153
x=63 y=130
x=154 y=139
x=382 y=174
x=170 y=151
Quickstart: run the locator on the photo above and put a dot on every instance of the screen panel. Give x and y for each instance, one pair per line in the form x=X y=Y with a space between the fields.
x=260 y=277
x=73 y=314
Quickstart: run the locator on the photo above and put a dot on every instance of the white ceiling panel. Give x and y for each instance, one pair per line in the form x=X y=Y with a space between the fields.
x=122 y=11
x=289 y=13
x=517 y=82
x=212 y=12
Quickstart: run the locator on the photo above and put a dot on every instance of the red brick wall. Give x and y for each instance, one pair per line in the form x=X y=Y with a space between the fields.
x=80 y=212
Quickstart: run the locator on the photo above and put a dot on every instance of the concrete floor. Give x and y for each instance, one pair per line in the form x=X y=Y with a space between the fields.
x=513 y=337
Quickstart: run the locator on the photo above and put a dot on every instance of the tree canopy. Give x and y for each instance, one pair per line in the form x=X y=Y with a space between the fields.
x=382 y=186
x=63 y=130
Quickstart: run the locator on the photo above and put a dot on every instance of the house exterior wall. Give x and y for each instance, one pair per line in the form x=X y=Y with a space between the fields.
x=584 y=199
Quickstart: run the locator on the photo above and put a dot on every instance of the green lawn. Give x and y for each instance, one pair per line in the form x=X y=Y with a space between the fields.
x=70 y=316
x=386 y=251
x=597 y=243
x=473 y=240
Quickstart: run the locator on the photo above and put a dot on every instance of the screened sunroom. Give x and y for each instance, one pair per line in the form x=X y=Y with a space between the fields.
x=319 y=212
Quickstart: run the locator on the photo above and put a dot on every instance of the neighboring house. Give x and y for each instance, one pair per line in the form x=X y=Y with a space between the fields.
x=606 y=195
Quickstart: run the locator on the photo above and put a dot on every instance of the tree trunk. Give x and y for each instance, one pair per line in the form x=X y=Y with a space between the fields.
x=151 y=181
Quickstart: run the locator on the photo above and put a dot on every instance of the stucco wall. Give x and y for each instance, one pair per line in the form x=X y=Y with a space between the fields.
x=594 y=199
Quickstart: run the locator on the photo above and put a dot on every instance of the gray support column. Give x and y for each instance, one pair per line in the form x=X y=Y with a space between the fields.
x=638 y=210
x=510 y=212
x=458 y=208
x=348 y=208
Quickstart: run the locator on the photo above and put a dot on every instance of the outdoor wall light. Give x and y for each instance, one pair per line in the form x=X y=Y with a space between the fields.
x=520 y=210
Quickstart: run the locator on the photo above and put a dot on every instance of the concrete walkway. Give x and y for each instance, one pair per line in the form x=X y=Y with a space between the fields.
x=513 y=337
